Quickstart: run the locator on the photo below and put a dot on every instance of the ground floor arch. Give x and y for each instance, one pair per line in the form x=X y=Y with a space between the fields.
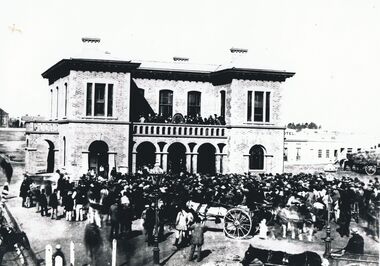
x=98 y=158
x=45 y=156
x=146 y=155
x=206 y=159
x=176 y=158
x=256 y=157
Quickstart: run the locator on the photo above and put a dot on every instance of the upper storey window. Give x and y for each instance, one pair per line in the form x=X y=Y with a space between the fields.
x=193 y=103
x=99 y=101
x=166 y=103
x=259 y=108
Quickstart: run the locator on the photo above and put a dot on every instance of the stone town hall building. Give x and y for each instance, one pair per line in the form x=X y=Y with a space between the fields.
x=96 y=103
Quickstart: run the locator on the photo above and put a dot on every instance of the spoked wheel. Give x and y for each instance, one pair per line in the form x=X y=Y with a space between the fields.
x=370 y=169
x=237 y=223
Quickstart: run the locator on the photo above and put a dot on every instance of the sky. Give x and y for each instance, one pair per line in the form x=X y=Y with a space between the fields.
x=333 y=46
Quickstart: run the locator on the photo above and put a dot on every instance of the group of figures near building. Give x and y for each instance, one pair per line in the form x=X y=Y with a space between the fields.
x=180 y=119
x=297 y=204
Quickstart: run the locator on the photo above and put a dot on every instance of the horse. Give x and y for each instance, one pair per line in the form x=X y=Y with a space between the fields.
x=12 y=241
x=306 y=258
x=92 y=240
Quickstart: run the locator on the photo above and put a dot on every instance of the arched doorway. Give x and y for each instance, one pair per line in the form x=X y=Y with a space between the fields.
x=146 y=155
x=206 y=159
x=176 y=158
x=50 y=157
x=98 y=157
x=256 y=158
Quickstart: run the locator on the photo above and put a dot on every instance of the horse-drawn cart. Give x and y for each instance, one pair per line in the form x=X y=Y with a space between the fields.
x=368 y=162
x=238 y=221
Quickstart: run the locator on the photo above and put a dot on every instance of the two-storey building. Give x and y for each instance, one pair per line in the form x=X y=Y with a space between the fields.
x=97 y=105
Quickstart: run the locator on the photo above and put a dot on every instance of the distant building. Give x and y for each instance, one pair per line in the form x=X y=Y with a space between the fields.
x=97 y=103
x=317 y=146
x=4 y=118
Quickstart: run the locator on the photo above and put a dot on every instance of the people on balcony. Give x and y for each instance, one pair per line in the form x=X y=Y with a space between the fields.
x=187 y=119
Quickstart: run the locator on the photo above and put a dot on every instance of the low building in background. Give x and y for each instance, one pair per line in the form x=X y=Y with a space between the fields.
x=317 y=146
x=4 y=118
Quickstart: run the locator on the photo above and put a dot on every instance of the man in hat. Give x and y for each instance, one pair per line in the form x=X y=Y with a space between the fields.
x=355 y=245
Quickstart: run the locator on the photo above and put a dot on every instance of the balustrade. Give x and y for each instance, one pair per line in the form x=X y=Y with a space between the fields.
x=178 y=130
x=42 y=127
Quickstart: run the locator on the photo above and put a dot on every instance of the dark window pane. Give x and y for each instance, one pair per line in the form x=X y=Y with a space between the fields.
x=193 y=103
x=267 y=107
x=89 y=99
x=99 y=99
x=65 y=99
x=166 y=103
x=222 y=103
x=110 y=100
x=249 y=106
x=259 y=105
x=256 y=158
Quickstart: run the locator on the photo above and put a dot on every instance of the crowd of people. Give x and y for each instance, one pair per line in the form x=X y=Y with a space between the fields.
x=179 y=119
x=298 y=203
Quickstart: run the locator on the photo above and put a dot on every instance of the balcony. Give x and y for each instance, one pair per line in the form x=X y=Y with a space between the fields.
x=42 y=127
x=179 y=130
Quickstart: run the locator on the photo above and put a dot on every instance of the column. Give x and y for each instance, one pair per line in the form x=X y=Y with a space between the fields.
x=188 y=162
x=222 y=156
x=164 y=165
x=111 y=162
x=246 y=162
x=195 y=163
x=158 y=158
x=217 y=163
x=85 y=162
x=134 y=161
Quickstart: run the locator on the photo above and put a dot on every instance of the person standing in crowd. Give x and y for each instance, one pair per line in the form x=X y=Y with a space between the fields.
x=149 y=218
x=115 y=214
x=43 y=203
x=69 y=206
x=80 y=202
x=53 y=202
x=181 y=227
x=197 y=238
x=25 y=186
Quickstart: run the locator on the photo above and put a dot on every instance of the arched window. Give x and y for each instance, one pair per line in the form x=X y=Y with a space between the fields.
x=166 y=103
x=256 y=158
x=193 y=103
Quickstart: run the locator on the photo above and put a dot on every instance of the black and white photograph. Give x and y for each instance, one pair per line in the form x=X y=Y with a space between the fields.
x=214 y=132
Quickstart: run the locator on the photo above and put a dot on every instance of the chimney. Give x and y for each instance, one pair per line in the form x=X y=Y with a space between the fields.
x=180 y=59
x=237 y=53
x=90 y=46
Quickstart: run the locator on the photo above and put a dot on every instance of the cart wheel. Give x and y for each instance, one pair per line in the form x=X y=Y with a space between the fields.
x=237 y=223
x=370 y=169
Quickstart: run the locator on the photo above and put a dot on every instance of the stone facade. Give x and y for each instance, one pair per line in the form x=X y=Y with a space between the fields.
x=80 y=141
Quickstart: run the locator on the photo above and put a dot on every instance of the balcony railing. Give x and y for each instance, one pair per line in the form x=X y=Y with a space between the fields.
x=182 y=130
x=42 y=127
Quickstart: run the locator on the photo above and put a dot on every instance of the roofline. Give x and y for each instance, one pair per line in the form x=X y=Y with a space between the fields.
x=63 y=67
x=218 y=77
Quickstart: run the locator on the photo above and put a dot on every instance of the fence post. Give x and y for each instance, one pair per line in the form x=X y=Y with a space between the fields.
x=72 y=253
x=114 y=248
x=48 y=255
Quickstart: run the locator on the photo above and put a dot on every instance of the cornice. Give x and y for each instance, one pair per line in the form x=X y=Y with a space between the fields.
x=220 y=77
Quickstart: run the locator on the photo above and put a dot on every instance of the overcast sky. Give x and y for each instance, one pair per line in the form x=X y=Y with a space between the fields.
x=333 y=46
